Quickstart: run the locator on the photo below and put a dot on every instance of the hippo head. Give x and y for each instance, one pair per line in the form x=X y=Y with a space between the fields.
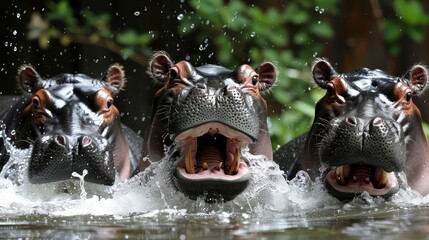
x=211 y=113
x=366 y=130
x=73 y=125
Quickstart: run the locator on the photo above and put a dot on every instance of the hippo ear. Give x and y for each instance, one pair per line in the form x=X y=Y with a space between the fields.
x=267 y=75
x=418 y=78
x=159 y=66
x=29 y=80
x=322 y=72
x=115 y=77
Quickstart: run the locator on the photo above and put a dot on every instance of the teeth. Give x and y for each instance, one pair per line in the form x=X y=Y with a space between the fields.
x=189 y=163
x=217 y=167
x=355 y=179
x=235 y=163
x=366 y=180
x=340 y=175
x=383 y=179
x=205 y=166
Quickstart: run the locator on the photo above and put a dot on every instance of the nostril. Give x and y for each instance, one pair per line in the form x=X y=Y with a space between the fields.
x=86 y=141
x=60 y=140
x=351 y=121
x=377 y=122
x=201 y=86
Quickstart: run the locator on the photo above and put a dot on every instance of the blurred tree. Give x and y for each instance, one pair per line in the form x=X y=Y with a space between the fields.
x=289 y=33
x=92 y=29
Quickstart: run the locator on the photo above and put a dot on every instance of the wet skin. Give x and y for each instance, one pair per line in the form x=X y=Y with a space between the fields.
x=366 y=131
x=209 y=114
x=72 y=124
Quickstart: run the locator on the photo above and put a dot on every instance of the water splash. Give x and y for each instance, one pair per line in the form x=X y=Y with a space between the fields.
x=81 y=183
x=152 y=193
x=6 y=140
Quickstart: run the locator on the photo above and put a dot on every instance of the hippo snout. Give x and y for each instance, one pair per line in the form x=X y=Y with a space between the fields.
x=374 y=141
x=226 y=105
x=56 y=157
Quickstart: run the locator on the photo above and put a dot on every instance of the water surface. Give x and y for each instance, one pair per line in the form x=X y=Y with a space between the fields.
x=149 y=207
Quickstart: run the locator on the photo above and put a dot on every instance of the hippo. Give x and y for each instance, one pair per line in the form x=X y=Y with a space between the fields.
x=367 y=133
x=71 y=124
x=211 y=114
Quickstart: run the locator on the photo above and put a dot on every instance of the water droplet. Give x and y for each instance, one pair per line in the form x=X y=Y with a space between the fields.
x=180 y=17
x=13 y=132
x=252 y=34
x=18 y=15
x=316 y=8
x=14 y=32
x=314 y=54
x=136 y=13
x=322 y=10
x=15 y=49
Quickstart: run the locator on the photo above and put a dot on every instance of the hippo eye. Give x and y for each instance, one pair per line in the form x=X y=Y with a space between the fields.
x=255 y=80
x=408 y=96
x=109 y=103
x=35 y=102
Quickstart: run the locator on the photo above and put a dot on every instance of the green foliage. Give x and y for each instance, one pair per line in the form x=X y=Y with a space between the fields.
x=289 y=35
x=411 y=17
x=93 y=28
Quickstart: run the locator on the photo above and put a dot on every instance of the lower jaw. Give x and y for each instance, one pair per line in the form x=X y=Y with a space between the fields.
x=213 y=189
x=351 y=190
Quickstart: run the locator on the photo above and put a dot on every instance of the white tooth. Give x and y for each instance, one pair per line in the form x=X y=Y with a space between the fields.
x=189 y=163
x=340 y=172
x=383 y=178
x=217 y=167
x=366 y=180
x=237 y=159
x=205 y=166
x=235 y=163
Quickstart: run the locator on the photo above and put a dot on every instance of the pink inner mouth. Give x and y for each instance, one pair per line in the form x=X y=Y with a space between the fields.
x=357 y=178
x=212 y=150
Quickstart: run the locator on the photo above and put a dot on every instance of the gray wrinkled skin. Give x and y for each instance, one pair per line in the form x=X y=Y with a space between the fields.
x=366 y=131
x=204 y=104
x=202 y=117
x=383 y=146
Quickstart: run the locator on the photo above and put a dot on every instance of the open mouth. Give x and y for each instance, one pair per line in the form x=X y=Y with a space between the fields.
x=346 y=181
x=212 y=150
x=211 y=162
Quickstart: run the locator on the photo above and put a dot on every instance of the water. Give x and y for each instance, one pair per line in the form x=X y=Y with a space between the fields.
x=148 y=206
